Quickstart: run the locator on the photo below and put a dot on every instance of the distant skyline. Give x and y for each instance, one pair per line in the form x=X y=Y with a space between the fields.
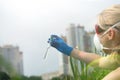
x=29 y=23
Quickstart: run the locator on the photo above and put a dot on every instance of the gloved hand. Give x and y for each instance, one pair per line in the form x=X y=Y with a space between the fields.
x=60 y=45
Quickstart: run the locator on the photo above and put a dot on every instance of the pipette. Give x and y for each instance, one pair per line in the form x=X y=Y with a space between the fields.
x=46 y=52
x=47 y=48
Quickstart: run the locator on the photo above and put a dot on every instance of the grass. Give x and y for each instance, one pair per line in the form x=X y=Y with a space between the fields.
x=82 y=71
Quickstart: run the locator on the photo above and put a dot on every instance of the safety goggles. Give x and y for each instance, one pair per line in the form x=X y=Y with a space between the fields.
x=98 y=30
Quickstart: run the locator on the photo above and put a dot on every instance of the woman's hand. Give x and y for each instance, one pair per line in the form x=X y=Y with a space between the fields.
x=60 y=45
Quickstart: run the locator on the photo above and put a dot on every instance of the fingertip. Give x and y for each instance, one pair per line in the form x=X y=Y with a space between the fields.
x=53 y=36
x=49 y=40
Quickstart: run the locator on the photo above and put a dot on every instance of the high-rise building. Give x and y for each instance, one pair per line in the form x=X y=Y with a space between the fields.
x=77 y=37
x=91 y=42
x=13 y=56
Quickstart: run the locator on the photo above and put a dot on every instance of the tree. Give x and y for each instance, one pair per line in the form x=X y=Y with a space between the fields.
x=4 y=76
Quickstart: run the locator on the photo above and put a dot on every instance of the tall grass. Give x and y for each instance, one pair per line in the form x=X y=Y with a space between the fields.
x=78 y=69
x=82 y=71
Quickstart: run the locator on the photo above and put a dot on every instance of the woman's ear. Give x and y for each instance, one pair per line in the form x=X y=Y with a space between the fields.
x=111 y=34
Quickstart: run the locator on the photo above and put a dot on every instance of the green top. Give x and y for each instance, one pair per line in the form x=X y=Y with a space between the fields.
x=104 y=66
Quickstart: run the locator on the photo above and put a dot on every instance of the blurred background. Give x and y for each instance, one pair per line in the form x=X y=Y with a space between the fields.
x=26 y=25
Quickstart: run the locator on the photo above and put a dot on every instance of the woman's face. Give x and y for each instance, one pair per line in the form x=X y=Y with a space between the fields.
x=102 y=38
x=111 y=39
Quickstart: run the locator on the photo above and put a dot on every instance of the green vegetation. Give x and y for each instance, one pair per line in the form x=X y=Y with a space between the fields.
x=26 y=78
x=82 y=71
x=63 y=77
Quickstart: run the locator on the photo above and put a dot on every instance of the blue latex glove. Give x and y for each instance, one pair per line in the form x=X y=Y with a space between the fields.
x=60 y=45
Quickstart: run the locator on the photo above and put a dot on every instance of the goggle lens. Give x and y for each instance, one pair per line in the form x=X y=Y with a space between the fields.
x=98 y=30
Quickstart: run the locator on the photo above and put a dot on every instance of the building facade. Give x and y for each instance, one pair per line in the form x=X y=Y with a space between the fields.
x=77 y=37
x=12 y=55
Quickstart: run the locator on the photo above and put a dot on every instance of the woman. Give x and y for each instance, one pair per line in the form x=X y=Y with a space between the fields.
x=108 y=40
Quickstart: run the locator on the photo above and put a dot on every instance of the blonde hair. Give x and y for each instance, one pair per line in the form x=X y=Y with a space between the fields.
x=109 y=17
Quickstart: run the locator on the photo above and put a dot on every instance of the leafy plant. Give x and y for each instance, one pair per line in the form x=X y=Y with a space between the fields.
x=82 y=71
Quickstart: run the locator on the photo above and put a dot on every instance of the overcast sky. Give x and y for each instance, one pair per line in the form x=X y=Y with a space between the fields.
x=29 y=23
